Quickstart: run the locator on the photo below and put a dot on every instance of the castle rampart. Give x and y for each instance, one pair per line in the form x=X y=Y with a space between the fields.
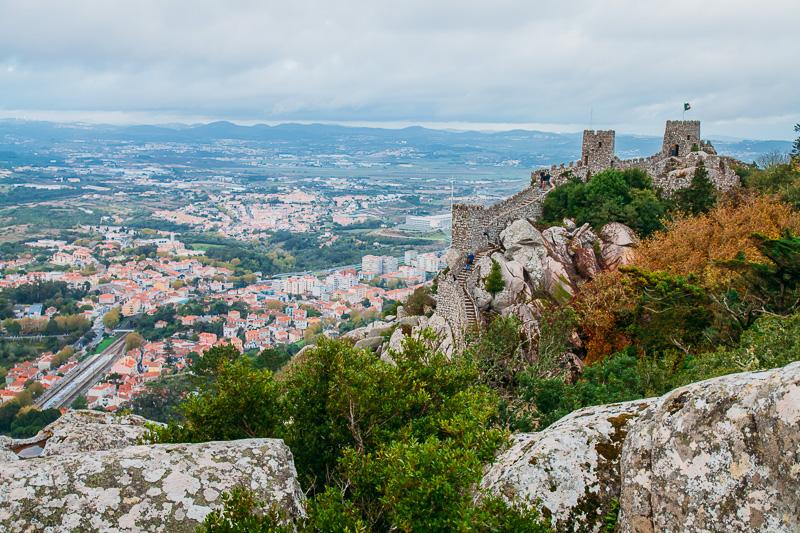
x=681 y=137
x=597 y=150
x=475 y=227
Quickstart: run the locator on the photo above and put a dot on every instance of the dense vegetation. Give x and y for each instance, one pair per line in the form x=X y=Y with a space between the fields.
x=379 y=446
x=20 y=419
x=48 y=293
x=626 y=196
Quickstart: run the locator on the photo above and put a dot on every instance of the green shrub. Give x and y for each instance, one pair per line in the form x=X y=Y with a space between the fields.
x=240 y=402
x=380 y=446
x=494 y=281
x=419 y=301
x=625 y=196
x=700 y=196
x=29 y=422
x=242 y=513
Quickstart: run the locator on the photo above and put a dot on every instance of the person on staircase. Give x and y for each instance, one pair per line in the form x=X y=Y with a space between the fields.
x=470 y=260
x=546 y=180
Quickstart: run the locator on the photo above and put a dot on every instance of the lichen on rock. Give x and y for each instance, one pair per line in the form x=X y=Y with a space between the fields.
x=570 y=470
x=167 y=487
x=719 y=455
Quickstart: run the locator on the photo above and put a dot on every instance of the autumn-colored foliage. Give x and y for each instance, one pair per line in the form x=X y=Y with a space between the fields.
x=693 y=244
x=598 y=305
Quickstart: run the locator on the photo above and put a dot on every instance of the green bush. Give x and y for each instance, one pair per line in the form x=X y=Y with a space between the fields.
x=419 y=301
x=781 y=179
x=380 y=446
x=700 y=196
x=771 y=342
x=240 y=402
x=494 y=282
x=28 y=423
x=242 y=512
x=615 y=379
x=625 y=196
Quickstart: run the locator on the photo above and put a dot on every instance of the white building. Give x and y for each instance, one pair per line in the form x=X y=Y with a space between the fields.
x=429 y=262
x=390 y=264
x=428 y=223
x=372 y=265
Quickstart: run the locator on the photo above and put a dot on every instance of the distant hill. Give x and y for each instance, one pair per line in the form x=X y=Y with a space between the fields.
x=515 y=148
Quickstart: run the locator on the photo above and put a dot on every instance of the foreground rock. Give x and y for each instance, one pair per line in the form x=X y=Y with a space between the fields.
x=80 y=431
x=719 y=455
x=569 y=471
x=6 y=452
x=84 y=431
x=169 y=487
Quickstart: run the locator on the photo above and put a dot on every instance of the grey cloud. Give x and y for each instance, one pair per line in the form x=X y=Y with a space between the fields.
x=632 y=62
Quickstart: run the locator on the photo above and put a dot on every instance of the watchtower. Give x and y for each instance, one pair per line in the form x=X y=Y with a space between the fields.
x=597 y=150
x=681 y=137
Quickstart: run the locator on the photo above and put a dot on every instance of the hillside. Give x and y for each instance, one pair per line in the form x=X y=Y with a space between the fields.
x=520 y=148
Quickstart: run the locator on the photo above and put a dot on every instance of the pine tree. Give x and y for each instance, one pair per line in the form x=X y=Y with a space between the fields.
x=796 y=148
x=494 y=281
x=700 y=196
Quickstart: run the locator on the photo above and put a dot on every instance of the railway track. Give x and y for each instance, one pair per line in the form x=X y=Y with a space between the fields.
x=82 y=377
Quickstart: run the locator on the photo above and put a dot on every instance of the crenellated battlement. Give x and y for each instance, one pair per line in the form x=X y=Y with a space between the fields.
x=680 y=138
x=597 y=149
x=474 y=227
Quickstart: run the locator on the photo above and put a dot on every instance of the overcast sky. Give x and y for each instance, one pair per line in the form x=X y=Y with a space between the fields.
x=628 y=64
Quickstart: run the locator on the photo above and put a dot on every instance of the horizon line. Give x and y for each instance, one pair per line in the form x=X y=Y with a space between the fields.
x=137 y=118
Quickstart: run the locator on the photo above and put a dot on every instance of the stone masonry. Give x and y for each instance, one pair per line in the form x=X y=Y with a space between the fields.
x=597 y=150
x=681 y=137
x=475 y=227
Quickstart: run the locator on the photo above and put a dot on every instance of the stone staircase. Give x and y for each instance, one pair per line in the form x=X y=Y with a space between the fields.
x=473 y=314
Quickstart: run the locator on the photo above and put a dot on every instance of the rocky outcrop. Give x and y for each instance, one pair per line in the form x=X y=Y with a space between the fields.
x=675 y=173
x=170 y=487
x=569 y=471
x=374 y=329
x=537 y=267
x=618 y=243
x=719 y=455
x=91 y=476
x=80 y=431
x=370 y=343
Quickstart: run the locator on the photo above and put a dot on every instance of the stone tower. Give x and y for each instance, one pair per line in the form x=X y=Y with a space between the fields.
x=680 y=137
x=597 y=150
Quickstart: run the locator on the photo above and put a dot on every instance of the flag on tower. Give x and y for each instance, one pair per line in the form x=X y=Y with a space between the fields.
x=687 y=106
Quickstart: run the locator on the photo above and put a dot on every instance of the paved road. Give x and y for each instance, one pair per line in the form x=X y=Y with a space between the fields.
x=80 y=378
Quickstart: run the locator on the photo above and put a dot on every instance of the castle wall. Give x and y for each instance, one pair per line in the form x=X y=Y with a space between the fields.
x=682 y=135
x=450 y=305
x=471 y=223
x=474 y=226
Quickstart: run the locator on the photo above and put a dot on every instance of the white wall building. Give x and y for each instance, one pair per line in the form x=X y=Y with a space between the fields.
x=428 y=223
